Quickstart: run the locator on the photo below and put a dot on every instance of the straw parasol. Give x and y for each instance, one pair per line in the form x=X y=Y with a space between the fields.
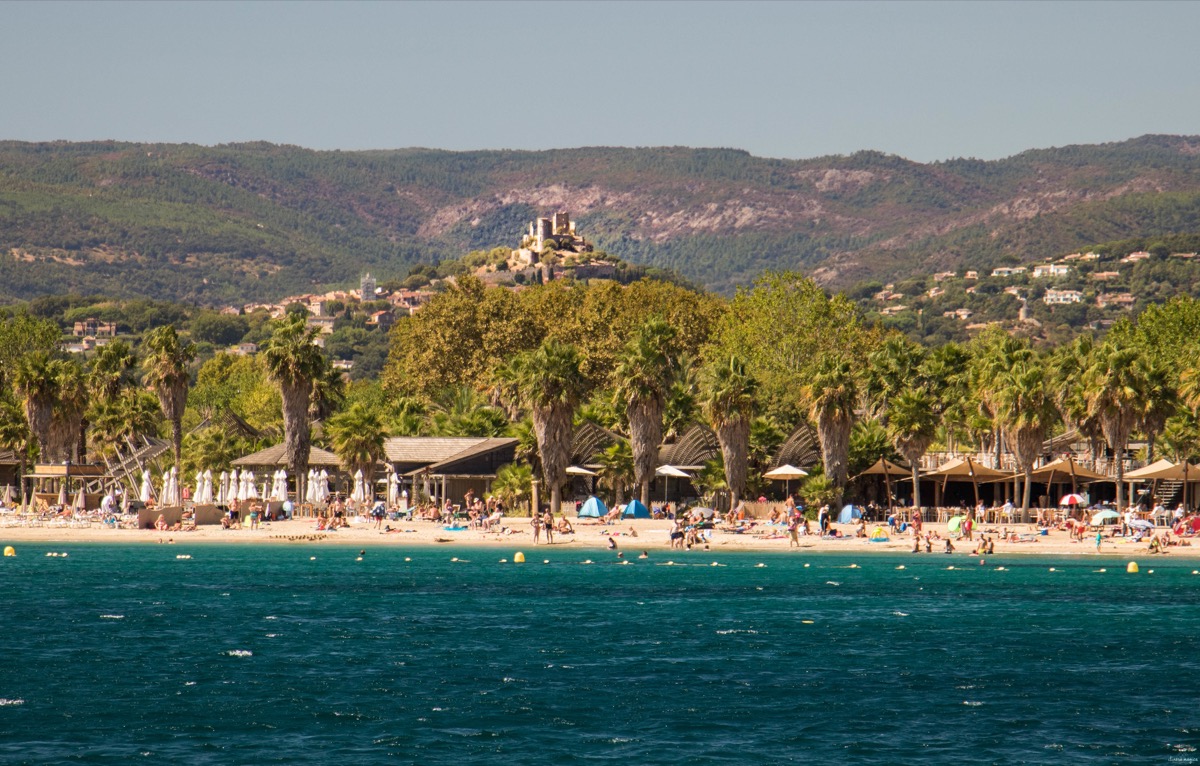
x=965 y=468
x=667 y=471
x=786 y=473
x=887 y=469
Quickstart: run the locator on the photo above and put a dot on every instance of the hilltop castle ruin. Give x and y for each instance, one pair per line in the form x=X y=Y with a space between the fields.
x=547 y=236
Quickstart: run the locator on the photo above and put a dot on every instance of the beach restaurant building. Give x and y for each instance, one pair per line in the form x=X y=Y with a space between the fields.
x=446 y=467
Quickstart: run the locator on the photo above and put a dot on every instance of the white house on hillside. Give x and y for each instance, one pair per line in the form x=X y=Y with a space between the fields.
x=1053 y=297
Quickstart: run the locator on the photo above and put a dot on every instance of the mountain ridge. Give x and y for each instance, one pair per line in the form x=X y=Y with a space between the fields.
x=257 y=220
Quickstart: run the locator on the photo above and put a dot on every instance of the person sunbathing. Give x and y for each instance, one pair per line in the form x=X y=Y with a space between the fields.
x=161 y=523
x=564 y=526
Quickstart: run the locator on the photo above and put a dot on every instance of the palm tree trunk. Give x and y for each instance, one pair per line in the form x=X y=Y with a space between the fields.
x=1120 y=481
x=645 y=435
x=552 y=426
x=177 y=440
x=916 y=485
x=297 y=441
x=734 y=437
x=834 y=431
x=1026 y=496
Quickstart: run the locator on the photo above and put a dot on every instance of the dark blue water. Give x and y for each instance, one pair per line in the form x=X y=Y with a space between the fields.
x=261 y=655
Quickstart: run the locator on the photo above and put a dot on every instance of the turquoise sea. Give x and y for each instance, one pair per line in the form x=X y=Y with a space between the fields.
x=296 y=655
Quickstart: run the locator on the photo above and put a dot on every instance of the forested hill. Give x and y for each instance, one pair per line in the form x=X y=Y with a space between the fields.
x=250 y=221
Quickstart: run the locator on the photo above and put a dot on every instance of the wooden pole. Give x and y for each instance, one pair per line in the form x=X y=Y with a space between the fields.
x=974 y=480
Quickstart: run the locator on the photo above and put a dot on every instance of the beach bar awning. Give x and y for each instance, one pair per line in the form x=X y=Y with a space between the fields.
x=273 y=456
x=884 y=467
x=966 y=469
x=1066 y=469
x=1164 y=469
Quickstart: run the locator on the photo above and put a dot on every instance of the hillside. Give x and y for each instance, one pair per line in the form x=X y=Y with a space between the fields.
x=257 y=221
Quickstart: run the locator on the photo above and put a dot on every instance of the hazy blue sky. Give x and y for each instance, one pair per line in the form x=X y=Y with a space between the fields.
x=924 y=80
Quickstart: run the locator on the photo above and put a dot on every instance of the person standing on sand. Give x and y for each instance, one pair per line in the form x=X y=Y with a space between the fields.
x=536 y=523
x=793 y=528
x=1099 y=539
x=548 y=523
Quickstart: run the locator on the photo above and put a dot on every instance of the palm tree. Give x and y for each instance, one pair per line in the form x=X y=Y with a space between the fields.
x=727 y=398
x=890 y=369
x=1068 y=365
x=643 y=378
x=36 y=384
x=14 y=434
x=1025 y=409
x=513 y=484
x=1115 y=390
x=551 y=385
x=67 y=434
x=111 y=370
x=113 y=420
x=912 y=424
x=328 y=392
x=616 y=469
x=1161 y=402
x=166 y=366
x=463 y=411
x=294 y=362
x=357 y=436
x=830 y=397
x=212 y=449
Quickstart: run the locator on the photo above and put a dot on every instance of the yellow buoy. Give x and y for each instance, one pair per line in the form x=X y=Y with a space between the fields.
x=1131 y=567
x=10 y=551
x=518 y=558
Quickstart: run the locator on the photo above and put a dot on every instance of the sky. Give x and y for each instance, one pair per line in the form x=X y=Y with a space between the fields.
x=927 y=81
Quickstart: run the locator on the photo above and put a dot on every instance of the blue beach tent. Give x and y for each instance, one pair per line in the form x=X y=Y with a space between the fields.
x=849 y=514
x=636 y=510
x=593 y=508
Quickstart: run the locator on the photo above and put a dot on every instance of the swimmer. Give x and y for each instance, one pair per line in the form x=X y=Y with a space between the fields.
x=644 y=555
x=612 y=544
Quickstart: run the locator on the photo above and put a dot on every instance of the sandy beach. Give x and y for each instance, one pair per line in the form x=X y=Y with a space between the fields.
x=629 y=536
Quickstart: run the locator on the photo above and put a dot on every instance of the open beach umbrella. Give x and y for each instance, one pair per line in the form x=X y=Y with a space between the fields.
x=1072 y=499
x=667 y=471
x=1103 y=517
x=786 y=473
